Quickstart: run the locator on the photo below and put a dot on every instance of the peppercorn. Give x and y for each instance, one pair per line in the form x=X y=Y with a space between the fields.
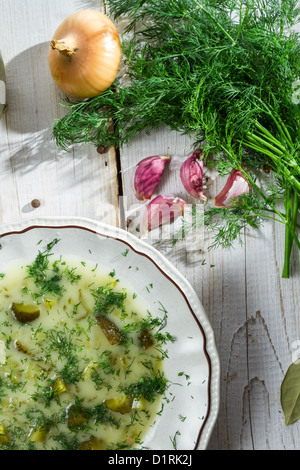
x=101 y=149
x=35 y=203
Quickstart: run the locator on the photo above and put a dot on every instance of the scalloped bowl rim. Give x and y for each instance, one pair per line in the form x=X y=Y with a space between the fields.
x=159 y=261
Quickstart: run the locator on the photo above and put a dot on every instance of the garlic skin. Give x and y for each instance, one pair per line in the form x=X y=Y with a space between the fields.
x=85 y=54
x=162 y=209
x=191 y=174
x=148 y=174
x=235 y=186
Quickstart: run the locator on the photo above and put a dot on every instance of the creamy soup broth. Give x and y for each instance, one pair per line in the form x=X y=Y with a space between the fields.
x=80 y=364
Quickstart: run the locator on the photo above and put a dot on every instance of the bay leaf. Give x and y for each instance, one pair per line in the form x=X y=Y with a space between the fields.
x=290 y=394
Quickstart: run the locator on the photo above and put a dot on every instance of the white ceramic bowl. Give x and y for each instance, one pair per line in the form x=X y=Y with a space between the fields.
x=192 y=365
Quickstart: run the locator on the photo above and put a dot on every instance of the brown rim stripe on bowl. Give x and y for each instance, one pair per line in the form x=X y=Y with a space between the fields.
x=59 y=227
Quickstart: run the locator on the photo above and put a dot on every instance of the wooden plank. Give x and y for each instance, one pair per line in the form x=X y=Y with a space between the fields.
x=273 y=306
x=217 y=276
x=80 y=183
x=251 y=309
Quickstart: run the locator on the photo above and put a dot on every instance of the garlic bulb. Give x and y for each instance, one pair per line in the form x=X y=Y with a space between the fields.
x=235 y=186
x=191 y=174
x=161 y=210
x=148 y=174
x=85 y=54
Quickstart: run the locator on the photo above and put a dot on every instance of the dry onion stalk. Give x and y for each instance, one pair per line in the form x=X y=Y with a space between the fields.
x=85 y=54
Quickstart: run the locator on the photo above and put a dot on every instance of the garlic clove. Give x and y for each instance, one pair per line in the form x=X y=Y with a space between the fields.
x=236 y=185
x=191 y=173
x=161 y=210
x=148 y=174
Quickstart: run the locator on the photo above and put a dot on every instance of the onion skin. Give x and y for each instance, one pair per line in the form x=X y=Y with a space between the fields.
x=85 y=54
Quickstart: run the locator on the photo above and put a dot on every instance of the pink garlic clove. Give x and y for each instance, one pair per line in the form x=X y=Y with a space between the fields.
x=236 y=185
x=191 y=173
x=148 y=174
x=162 y=210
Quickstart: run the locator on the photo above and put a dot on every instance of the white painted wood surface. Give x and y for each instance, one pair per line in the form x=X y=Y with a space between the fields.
x=255 y=314
x=79 y=183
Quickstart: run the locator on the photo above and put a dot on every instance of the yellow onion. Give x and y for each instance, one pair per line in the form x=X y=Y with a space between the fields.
x=85 y=54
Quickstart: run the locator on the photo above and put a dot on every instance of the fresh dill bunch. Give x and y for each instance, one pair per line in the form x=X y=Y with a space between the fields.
x=228 y=226
x=196 y=68
x=222 y=72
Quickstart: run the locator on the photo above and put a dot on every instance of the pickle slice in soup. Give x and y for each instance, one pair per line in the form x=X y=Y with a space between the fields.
x=3 y=436
x=58 y=387
x=111 y=331
x=39 y=433
x=92 y=444
x=146 y=339
x=122 y=405
x=76 y=417
x=20 y=347
x=25 y=313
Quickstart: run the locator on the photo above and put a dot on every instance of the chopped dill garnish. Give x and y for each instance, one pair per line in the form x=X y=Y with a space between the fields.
x=101 y=414
x=147 y=387
x=107 y=298
x=47 y=279
x=73 y=278
x=72 y=363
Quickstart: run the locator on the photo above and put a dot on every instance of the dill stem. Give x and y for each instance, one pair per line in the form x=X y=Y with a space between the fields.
x=292 y=207
x=279 y=124
x=290 y=224
x=289 y=221
x=259 y=149
x=290 y=140
x=292 y=162
x=256 y=138
x=288 y=238
x=241 y=21
x=268 y=135
x=215 y=22
x=295 y=219
x=276 y=159
x=269 y=217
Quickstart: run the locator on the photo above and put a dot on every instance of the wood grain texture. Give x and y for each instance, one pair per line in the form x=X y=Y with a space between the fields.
x=254 y=313
x=82 y=182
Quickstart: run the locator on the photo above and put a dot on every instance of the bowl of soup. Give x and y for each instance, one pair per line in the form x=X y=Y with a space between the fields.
x=104 y=345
